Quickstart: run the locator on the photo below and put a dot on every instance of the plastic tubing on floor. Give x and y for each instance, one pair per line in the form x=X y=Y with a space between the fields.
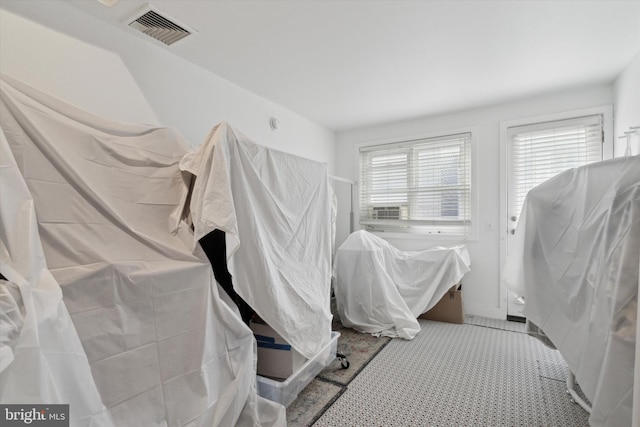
x=571 y=382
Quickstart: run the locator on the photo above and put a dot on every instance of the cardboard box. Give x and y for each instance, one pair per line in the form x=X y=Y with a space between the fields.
x=276 y=357
x=449 y=309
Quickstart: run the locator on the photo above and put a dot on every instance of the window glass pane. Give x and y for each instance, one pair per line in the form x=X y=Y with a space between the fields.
x=541 y=151
x=388 y=179
x=416 y=185
x=438 y=172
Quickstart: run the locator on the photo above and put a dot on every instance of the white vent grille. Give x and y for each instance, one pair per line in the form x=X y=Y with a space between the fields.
x=159 y=27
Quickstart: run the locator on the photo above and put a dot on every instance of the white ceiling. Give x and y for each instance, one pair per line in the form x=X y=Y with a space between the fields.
x=348 y=64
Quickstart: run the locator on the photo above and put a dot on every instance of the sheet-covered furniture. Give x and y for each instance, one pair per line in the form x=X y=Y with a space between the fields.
x=275 y=209
x=117 y=311
x=575 y=258
x=381 y=290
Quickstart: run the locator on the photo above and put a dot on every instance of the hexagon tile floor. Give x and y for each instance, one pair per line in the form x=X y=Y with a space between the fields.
x=480 y=373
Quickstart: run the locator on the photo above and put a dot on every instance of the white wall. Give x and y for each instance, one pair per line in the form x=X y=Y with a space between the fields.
x=482 y=294
x=117 y=75
x=627 y=106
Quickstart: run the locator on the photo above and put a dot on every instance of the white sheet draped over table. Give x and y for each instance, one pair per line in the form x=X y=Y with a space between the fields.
x=575 y=258
x=381 y=290
x=121 y=317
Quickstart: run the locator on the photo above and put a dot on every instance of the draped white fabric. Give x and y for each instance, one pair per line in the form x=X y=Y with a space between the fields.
x=576 y=258
x=381 y=290
x=122 y=318
x=42 y=359
x=276 y=211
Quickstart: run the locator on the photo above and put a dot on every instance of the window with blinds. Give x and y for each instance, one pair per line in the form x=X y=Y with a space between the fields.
x=542 y=150
x=417 y=186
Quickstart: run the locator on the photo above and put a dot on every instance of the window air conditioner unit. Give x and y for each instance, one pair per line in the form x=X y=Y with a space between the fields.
x=389 y=212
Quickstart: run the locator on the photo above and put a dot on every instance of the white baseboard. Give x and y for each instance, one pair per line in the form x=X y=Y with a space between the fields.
x=485 y=311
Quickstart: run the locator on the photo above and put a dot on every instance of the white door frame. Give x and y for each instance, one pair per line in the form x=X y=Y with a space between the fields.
x=607 y=153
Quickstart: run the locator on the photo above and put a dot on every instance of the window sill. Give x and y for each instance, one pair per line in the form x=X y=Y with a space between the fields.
x=440 y=237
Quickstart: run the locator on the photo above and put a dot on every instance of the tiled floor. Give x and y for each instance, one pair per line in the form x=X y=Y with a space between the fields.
x=483 y=373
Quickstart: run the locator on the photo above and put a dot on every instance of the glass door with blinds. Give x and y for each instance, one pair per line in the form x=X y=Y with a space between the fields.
x=539 y=151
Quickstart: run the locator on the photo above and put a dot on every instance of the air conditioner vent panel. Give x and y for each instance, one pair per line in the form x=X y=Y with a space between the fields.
x=159 y=27
x=389 y=212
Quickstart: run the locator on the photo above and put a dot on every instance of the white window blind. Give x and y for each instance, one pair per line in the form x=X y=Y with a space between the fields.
x=420 y=185
x=542 y=150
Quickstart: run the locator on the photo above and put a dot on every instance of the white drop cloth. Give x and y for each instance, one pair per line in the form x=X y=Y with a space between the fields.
x=90 y=223
x=575 y=258
x=381 y=290
x=42 y=360
x=275 y=209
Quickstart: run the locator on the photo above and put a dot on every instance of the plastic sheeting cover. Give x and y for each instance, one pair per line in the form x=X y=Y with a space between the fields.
x=141 y=337
x=575 y=258
x=275 y=209
x=42 y=357
x=381 y=289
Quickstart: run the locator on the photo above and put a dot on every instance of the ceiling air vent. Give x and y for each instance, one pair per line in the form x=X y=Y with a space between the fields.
x=161 y=28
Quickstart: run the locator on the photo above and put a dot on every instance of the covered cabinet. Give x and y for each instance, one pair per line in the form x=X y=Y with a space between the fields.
x=275 y=211
x=575 y=258
x=112 y=307
x=382 y=290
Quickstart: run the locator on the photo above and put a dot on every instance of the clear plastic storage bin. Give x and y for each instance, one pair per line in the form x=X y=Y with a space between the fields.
x=285 y=392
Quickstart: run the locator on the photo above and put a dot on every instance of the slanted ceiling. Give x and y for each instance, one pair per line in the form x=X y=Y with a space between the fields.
x=347 y=64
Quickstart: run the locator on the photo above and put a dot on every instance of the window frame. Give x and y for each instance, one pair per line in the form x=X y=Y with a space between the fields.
x=468 y=231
